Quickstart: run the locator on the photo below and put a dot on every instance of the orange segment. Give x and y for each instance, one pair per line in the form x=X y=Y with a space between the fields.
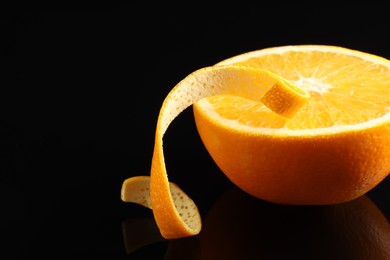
x=242 y=110
x=175 y=213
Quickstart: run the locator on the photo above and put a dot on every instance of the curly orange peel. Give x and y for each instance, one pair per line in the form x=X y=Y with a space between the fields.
x=175 y=213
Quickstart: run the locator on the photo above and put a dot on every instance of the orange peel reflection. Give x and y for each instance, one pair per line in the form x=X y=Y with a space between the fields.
x=239 y=226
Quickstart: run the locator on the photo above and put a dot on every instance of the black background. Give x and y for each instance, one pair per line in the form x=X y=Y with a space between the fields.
x=81 y=88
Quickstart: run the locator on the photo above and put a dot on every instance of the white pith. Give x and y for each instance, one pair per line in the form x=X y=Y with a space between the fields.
x=312 y=85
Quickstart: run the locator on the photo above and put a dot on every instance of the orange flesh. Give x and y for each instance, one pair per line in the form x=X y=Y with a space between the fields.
x=338 y=97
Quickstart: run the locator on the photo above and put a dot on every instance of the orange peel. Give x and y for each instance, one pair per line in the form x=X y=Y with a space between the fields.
x=175 y=212
x=285 y=98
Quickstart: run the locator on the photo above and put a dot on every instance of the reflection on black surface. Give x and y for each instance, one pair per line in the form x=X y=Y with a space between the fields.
x=140 y=232
x=239 y=226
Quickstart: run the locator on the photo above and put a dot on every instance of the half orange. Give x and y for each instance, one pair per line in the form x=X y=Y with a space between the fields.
x=273 y=139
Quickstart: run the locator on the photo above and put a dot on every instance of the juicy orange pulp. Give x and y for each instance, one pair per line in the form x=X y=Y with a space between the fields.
x=345 y=88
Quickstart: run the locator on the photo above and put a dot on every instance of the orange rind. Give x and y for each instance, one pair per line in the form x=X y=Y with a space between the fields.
x=175 y=213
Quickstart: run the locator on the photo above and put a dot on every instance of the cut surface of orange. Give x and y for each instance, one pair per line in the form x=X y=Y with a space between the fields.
x=305 y=124
x=347 y=87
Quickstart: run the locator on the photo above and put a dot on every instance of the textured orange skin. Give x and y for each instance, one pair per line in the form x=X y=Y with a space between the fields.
x=320 y=169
